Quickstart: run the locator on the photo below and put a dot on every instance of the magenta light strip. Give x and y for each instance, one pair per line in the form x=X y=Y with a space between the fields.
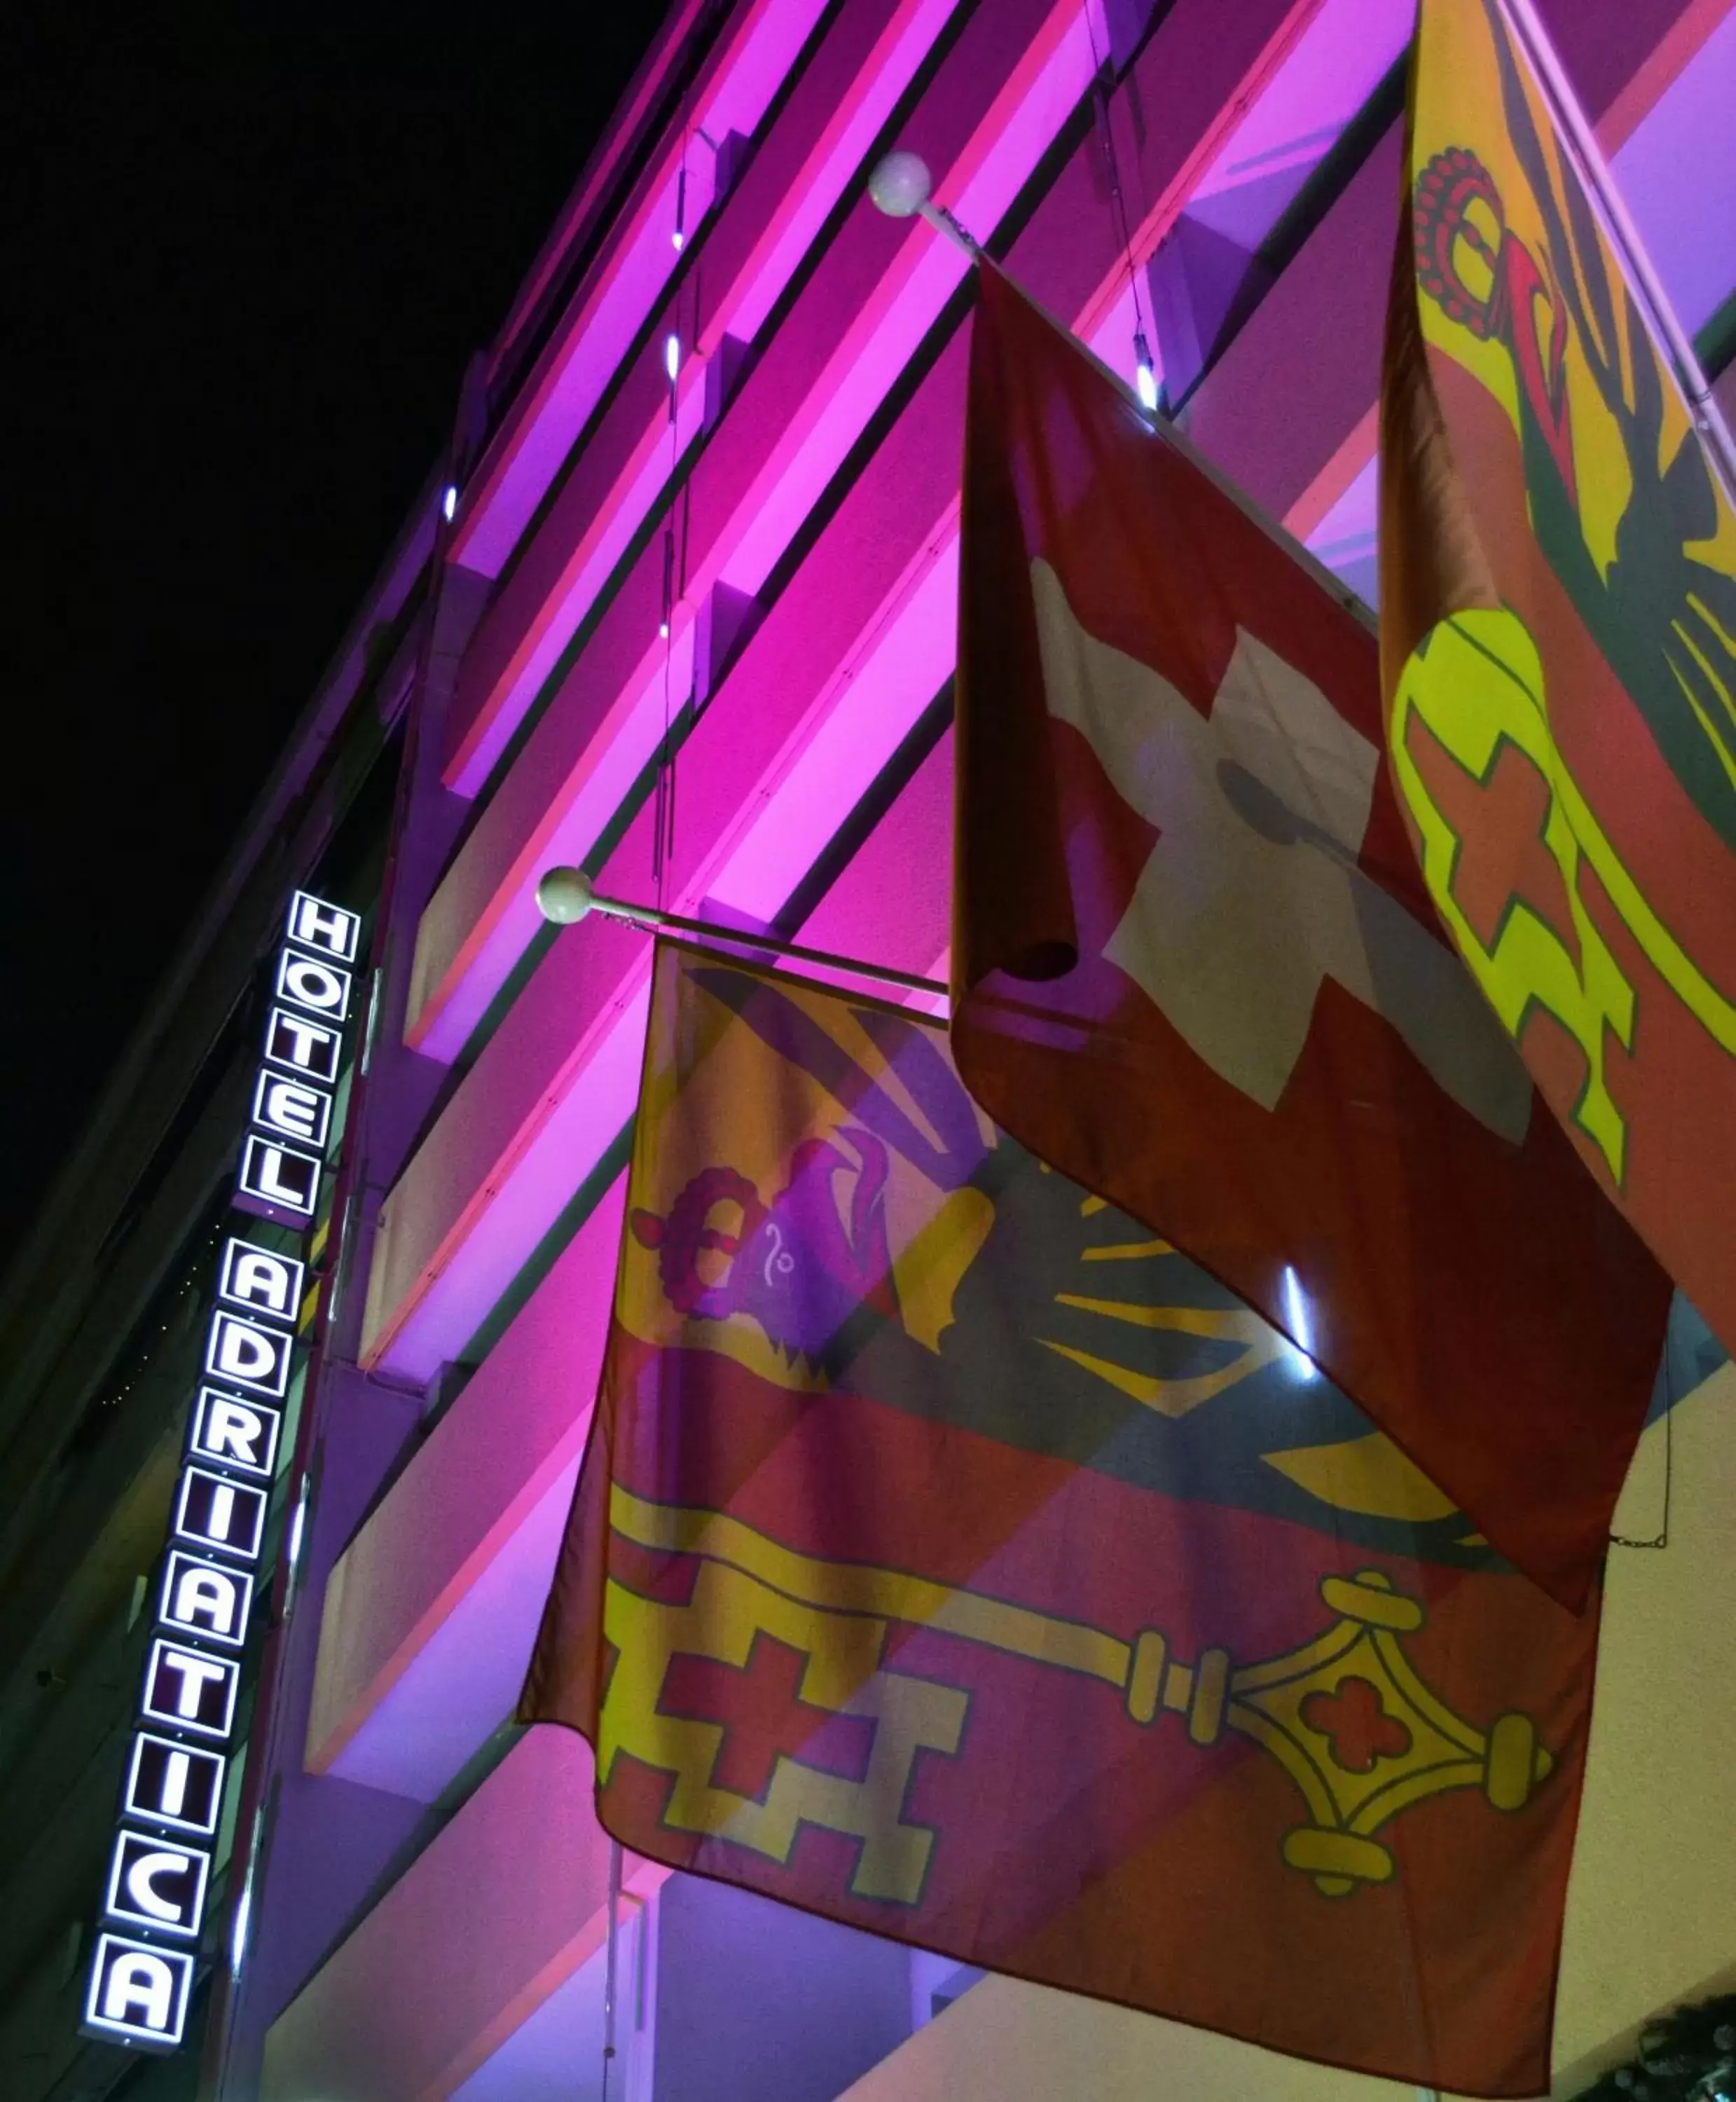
x=413 y=1999
x=429 y=1316
x=590 y=198
x=478 y=924
x=554 y=405
x=1045 y=85
x=407 y=1585
x=847 y=112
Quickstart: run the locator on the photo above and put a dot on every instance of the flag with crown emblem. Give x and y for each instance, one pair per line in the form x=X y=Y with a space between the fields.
x=1197 y=968
x=1558 y=611
x=953 y=1558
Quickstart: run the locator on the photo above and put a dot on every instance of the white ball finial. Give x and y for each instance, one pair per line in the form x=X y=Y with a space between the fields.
x=565 y=895
x=901 y=184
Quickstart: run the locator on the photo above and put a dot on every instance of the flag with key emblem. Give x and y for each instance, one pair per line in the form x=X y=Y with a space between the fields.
x=953 y=1558
x=1196 y=967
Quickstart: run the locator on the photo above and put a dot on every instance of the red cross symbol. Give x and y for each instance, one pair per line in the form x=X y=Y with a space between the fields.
x=1498 y=822
x=760 y=1706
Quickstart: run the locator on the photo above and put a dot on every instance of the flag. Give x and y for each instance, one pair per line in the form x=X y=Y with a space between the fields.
x=1558 y=635
x=1196 y=968
x=952 y=1558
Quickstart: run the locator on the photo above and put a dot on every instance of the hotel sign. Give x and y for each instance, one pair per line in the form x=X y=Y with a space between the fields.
x=160 y=1866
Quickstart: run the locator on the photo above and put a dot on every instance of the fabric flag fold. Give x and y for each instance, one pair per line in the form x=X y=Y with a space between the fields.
x=954 y=1558
x=1196 y=967
x=1558 y=636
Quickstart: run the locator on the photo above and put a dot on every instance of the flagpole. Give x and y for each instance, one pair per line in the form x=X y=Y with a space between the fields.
x=1702 y=406
x=565 y=895
x=610 y=1970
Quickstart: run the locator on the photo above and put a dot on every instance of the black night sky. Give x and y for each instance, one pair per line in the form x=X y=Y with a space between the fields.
x=246 y=248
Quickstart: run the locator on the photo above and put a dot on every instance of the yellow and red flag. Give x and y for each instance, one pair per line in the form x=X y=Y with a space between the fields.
x=1197 y=968
x=1558 y=635
x=954 y=1558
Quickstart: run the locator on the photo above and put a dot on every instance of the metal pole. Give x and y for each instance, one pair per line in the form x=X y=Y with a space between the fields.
x=565 y=895
x=645 y=916
x=943 y=222
x=610 y=1949
x=1625 y=238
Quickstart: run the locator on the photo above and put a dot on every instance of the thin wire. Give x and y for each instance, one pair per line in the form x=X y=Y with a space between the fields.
x=665 y=785
x=610 y=1949
x=1581 y=141
x=675 y=756
x=1112 y=163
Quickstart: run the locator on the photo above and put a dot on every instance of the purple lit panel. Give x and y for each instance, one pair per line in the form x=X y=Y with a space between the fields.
x=1345 y=538
x=757 y=482
x=765 y=228
x=614 y=485
x=1689 y=136
x=875 y=713
x=800 y=171
x=573 y=1126
x=754 y=505
x=406 y=1690
x=446 y=1004
x=762 y=43
x=1323 y=317
x=1621 y=54
x=556 y=2053
x=1337 y=63
x=463 y=1683
x=901 y=878
x=415 y=2000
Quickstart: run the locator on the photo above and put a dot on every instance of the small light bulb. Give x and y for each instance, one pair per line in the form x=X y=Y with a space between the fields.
x=662 y=631
x=672 y=356
x=238 y=1936
x=675 y=240
x=296 y=1526
x=449 y=503
x=1144 y=373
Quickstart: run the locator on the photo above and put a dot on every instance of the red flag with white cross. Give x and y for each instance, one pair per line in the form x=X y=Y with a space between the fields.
x=1196 y=969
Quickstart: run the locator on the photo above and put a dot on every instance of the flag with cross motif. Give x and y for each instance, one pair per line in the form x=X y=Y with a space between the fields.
x=1197 y=969
x=953 y=1558
x=1558 y=616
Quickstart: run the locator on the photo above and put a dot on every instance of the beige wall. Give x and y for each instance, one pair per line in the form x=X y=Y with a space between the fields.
x=1652 y=1910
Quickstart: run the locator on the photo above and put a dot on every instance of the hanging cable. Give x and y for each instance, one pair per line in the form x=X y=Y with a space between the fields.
x=611 y=1950
x=675 y=588
x=678 y=231
x=1145 y=369
x=666 y=624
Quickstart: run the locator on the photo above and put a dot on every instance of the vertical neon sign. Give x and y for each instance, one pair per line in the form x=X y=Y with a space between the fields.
x=142 y=1970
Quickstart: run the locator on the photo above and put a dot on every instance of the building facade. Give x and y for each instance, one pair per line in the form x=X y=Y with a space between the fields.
x=679 y=608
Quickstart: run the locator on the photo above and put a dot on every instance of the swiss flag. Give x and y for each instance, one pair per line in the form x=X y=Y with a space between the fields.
x=1196 y=969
